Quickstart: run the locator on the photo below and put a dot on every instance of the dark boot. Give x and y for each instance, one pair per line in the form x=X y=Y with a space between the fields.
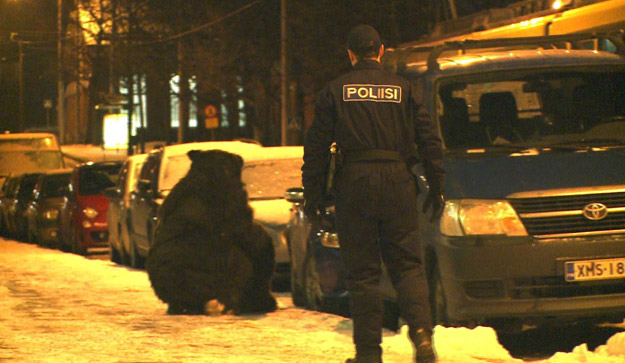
x=365 y=359
x=422 y=340
x=368 y=355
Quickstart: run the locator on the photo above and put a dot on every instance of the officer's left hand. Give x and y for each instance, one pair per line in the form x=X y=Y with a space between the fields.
x=312 y=207
x=436 y=201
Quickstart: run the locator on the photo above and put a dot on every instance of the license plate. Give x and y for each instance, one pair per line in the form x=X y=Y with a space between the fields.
x=595 y=269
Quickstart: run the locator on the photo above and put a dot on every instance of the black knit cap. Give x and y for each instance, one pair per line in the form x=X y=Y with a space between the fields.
x=363 y=37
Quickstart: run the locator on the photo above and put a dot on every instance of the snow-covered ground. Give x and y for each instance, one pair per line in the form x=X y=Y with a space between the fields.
x=80 y=152
x=59 y=307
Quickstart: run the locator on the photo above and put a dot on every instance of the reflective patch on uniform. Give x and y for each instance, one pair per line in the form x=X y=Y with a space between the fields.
x=371 y=92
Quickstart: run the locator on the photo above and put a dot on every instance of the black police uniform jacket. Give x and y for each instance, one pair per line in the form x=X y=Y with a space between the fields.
x=369 y=108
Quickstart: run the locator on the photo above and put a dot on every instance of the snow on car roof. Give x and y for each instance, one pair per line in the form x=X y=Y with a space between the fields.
x=176 y=163
x=59 y=171
x=26 y=135
x=235 y=147
x=276 y=152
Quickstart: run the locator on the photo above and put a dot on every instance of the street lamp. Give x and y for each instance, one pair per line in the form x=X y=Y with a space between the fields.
x=20 y=71
x=59 y=71
x=283 y=74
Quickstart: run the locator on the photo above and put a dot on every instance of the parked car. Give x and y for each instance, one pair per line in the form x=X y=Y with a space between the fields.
x=83 y=219
x=6 y=197
x=266 y=174
x=42 y=213
x=533 y=229
x=119 y=200
x=162 y=169
x=17 y=221
x=29 y=152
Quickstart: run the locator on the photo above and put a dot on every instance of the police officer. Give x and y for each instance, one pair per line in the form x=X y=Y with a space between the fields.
x=377 y=121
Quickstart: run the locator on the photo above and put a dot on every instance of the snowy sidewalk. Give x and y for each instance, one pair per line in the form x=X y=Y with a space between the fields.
x=60 y=307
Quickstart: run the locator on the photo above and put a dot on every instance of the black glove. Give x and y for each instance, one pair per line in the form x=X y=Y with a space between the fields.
x=436 y=200
x=312 y=209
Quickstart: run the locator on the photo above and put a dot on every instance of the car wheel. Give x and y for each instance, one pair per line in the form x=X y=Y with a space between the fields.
x=133 y=254
x=438 y=302
x=297 y=292
x=31 y=236
x=312 y=287
x=114 y=254
x=56 y=244
x=63 y=242
x=75 y=243
x=123 y=242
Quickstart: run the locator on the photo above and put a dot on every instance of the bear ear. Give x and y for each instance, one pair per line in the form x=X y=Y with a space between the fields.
x=193 y=154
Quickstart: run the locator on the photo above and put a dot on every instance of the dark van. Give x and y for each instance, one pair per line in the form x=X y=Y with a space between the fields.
x=533 y=229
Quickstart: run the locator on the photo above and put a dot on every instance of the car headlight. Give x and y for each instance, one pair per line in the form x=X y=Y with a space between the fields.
x=329 y=239
x=480 y=217
x=51 y=214
x=90 y=213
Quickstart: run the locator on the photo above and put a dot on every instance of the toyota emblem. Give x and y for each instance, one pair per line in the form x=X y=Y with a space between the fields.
x=595 y=211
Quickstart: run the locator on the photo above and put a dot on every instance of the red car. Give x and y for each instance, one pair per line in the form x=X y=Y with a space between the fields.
x=83 y=217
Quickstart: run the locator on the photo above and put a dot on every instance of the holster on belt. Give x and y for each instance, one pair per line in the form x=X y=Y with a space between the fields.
x=332 y=167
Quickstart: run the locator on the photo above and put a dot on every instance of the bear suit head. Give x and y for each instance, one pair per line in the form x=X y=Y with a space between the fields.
x=216 y=162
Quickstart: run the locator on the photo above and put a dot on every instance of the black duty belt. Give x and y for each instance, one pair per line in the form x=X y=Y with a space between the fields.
x=372 y=155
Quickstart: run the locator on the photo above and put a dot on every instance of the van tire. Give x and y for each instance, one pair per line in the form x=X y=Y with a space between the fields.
x=438 y=302
x=297 y=292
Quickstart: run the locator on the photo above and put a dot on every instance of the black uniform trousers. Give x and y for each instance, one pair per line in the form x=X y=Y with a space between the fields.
x=376 y=216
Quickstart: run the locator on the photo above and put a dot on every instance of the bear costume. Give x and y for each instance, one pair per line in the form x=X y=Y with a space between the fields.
x=206 y=244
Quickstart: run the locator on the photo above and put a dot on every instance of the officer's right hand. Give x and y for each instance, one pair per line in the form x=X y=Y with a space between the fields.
x=436 y=201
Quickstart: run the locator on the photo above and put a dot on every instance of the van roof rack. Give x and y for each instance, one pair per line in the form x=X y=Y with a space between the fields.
x=569 y=41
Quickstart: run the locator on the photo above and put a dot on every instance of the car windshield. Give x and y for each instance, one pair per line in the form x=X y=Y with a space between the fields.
x=54 y=185
x=93 y=180
x=557 y=109
x=269 y=178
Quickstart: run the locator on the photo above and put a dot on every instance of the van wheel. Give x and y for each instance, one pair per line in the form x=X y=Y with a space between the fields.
x=312 y=287
x=297 y=293
x=438 y=302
